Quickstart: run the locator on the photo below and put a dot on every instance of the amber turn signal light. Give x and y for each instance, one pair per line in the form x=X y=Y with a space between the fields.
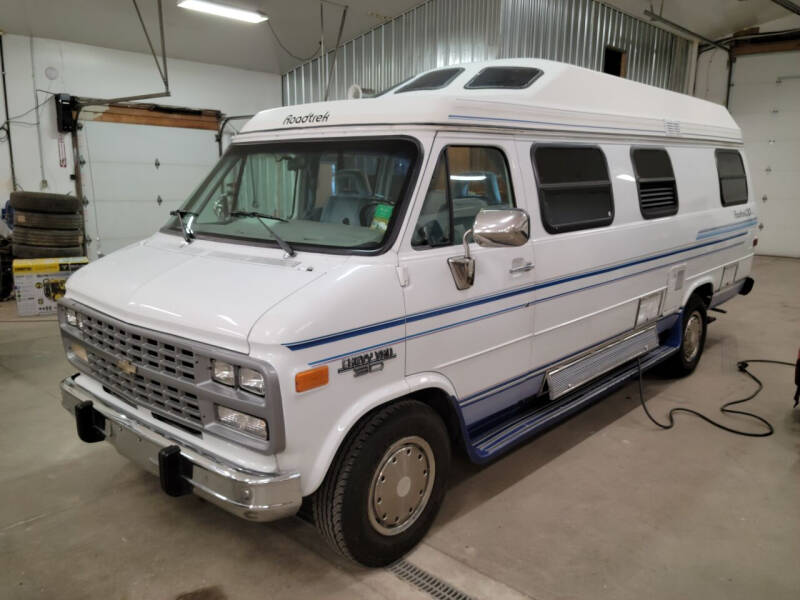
x=313 y=378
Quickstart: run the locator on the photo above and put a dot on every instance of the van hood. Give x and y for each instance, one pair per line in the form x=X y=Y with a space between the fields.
x=205 y=291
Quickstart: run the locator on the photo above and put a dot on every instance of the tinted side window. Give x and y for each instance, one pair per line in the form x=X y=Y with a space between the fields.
x=732 y=178
x=431 y=81
x=574 y=188
x=466 y=179
x=655 y=180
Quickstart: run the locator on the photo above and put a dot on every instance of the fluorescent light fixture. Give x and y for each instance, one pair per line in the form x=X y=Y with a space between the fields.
x=468 y=177
x=223 y=10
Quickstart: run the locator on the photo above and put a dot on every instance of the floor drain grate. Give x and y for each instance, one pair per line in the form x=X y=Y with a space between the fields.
x=426 y=582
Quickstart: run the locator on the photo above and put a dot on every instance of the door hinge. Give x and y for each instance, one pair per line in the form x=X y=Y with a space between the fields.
x=402 y=275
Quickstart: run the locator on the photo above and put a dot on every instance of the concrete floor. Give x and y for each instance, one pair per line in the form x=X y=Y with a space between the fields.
x=604 y=506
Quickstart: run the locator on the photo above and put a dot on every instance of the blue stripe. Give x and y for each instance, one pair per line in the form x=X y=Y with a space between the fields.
x=518 y=306
x=705 y=233
x=477 y=118
x=342 y=335
x=581 y=126
x=326 y=339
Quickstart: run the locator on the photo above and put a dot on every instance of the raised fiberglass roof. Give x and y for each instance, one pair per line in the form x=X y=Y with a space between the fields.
x=528 y=94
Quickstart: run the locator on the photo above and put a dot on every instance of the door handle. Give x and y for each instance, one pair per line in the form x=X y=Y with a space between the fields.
x=522 y=268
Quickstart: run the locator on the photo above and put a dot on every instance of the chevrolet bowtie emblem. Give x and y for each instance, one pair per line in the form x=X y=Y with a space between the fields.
x=126 y=367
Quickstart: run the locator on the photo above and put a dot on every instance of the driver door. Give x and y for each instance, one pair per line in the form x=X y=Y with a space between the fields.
x=478 y=337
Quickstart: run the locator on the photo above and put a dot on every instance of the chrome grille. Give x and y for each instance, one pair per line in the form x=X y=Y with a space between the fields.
x=166 y=399
x=142 y=350
x=142 y=367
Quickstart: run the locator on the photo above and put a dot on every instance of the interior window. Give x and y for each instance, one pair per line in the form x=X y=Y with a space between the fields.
x=465 y=180
x=732 y=178
x=574 y=188
x=655 y=180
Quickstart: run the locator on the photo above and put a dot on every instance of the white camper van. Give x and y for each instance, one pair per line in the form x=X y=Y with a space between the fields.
x=360 y=288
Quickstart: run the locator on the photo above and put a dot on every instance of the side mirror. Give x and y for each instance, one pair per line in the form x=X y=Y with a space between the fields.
x=501 y=227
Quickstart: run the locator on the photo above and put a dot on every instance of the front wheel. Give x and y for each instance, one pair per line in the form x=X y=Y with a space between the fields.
x=386 y=484
x=693 y=340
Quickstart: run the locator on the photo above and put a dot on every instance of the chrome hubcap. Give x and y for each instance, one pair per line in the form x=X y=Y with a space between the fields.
x=401 y=485
x=692 y=333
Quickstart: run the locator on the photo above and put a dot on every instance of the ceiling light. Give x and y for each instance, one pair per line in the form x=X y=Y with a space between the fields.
x=223 y=10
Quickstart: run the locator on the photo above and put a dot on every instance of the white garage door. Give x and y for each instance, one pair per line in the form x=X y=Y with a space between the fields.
x=134 y=175
x=765 y=101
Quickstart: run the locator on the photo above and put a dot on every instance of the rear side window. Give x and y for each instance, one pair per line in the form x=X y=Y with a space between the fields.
x=655 y=180
x=574 y=188
x=514 y=78
x=732 y=179
x=465 y=180
x=431 y=81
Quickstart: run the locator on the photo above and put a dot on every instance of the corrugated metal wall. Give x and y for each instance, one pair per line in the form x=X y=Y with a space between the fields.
x=442 y=32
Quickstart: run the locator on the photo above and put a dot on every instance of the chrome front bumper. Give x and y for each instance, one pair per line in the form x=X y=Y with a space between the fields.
x=182 y=468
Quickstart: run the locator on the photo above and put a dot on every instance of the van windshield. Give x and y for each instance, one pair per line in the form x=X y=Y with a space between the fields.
x=335 y=194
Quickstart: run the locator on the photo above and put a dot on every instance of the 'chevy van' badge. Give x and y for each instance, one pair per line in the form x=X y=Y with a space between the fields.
x=367 y=363
x=126 y=367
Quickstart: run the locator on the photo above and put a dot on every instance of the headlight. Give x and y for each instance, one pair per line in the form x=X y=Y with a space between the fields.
x=223 y=372
x=72 y=318
x=243 y=422
x=251 y=380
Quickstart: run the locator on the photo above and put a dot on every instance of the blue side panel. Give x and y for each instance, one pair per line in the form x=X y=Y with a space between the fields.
x=483 y=407
x=672 y=336
x=726 y=294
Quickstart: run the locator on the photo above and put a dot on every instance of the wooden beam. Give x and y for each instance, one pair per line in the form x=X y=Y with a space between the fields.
x=759 y=47
x=153 y=114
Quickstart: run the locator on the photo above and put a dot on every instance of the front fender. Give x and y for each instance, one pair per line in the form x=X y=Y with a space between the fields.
x=366 y=403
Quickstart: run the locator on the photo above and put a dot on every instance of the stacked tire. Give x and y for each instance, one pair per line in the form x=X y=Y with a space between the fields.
x=46 y=225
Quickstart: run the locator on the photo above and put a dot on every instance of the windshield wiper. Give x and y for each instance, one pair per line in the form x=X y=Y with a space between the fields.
x=186 y=228
x=257 y=215
x=261 y=216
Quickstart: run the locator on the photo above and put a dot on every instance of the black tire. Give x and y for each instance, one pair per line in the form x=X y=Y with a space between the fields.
x=684 y=361
x=47 y=220
x=30 y=236
x=45 y=203
x=24 y=251
x=341 y=505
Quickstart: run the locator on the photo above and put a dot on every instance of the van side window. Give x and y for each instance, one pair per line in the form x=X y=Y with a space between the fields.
x=465 y=180
x=574 y=188
x=655 y=180
x=732 y=178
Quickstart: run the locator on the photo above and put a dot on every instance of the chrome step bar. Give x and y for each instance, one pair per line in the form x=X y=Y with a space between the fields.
x=567 y=377
x=508 y=434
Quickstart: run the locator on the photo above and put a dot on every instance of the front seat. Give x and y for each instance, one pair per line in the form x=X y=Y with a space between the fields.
x=344 y=209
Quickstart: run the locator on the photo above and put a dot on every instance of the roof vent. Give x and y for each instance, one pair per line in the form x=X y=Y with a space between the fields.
x=356 y=92
x=672 y=128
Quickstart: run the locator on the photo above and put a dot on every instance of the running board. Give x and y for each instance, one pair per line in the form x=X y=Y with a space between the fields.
x=521 y=426
x=568 y=377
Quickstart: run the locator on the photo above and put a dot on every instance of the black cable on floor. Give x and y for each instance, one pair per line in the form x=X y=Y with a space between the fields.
x=725 y=407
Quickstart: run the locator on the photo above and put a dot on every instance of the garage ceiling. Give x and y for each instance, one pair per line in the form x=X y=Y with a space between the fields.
x=203 y=38
x=195 y=36
x=711 y=18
